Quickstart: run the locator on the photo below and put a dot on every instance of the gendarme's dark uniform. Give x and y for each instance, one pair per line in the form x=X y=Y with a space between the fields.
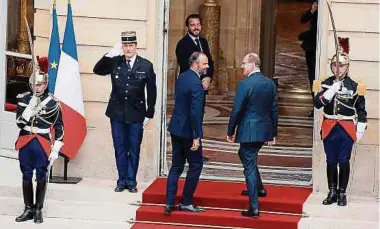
x=127 y=101
x=127 y=109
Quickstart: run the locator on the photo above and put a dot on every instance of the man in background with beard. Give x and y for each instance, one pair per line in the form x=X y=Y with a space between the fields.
x=193 y=42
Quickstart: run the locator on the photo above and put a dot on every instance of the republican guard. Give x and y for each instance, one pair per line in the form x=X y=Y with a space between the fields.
x=344 y=123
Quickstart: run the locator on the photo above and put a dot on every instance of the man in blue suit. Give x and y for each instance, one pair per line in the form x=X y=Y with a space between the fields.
x=186 y=132
x=255 y=114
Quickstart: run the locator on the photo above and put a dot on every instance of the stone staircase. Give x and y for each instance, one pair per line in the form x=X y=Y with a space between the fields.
x=88 y=204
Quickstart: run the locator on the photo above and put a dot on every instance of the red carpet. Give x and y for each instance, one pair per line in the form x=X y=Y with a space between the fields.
x=228 y=195
x=282 y=199
x=160 y=226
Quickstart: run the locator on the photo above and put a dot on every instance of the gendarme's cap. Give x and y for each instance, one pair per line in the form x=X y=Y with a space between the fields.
x=128 y=37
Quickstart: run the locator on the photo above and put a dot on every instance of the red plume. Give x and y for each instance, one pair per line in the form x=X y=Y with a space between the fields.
x=43 y=63
x=344 y=43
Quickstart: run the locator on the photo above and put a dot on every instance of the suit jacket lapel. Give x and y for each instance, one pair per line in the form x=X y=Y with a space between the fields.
x=191 y=41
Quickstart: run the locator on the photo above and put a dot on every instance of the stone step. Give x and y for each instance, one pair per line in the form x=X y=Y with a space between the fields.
x=82 y=210
x=7 y=221
x=63 y=192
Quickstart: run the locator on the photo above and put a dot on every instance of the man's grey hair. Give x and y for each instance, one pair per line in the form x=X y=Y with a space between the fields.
x=254 y=58
x=194 y=58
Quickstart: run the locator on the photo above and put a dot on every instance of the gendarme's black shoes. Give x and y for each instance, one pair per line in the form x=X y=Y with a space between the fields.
x=132 y=189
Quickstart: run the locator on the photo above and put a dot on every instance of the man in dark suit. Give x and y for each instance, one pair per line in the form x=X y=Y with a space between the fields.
x=128 y=113
x=186 y=133
x=309 y=43
x=255 y=114
x=193 y=42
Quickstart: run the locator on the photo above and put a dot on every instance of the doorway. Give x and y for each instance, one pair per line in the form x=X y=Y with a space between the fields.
x=242 y=24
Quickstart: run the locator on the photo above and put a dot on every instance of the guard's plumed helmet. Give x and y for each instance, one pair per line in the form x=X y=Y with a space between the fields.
x=40 y=76
x=343 y=51
x=343 y=57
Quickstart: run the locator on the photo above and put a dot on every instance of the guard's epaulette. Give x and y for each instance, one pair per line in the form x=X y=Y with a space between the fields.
x=362 y=88
x=317 y=84
x=23 y=94
x=53 y=97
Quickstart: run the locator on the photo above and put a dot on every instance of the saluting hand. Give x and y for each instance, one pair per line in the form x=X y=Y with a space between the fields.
x=115 y=50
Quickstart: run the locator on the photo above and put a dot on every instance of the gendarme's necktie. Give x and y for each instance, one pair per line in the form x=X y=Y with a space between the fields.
x=198 y=44
x=129 y=64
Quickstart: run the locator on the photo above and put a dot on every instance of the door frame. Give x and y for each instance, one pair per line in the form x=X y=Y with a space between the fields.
x=163 y=61
x=8 y=128
x=270 y=33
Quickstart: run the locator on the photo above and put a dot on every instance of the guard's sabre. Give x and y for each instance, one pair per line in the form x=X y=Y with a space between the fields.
x=337 y=74
x=33 y=57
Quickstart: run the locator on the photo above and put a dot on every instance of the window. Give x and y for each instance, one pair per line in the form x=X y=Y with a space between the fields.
x=17 y=54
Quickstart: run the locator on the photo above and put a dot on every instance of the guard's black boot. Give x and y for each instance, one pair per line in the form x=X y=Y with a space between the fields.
x=344 y=175
x=27 y=190
x=332 y=175
x=40 y=197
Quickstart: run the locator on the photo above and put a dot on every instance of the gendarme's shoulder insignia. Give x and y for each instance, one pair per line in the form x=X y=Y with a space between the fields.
x=362 y=88
x=23 y=94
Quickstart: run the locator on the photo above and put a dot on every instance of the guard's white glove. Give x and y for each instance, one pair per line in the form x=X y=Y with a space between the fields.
x=329 y=94
x=146 y=121
x=55 y=151
x=31 y=109
x=360 y=129
x=115 y=51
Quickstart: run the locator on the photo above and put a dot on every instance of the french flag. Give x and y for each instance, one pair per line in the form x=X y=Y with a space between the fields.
x=68 y=90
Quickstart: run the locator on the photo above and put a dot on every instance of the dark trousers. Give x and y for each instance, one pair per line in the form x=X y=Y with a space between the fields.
x=310 y=62
x=248 y=155
x=33 y=157
x=127 y=139
x=180 y=153
x=338 y=146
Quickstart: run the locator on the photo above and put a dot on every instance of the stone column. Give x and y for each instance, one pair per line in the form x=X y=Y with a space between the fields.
x=210 y=13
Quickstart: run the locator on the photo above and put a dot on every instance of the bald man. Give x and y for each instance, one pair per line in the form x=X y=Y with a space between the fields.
x=255 y=116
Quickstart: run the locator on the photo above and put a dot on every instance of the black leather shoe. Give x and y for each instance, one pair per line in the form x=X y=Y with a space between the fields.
x=260 y=193
x=132 y=189
x=190 y=208
x=168 y=209
x=38 y=215
x=27 y=189
x=205 y=159
x=120 y=188
x=40 y=198
x=26 y=215
x=342 y=198
x=331 y=197
x=253 y=213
